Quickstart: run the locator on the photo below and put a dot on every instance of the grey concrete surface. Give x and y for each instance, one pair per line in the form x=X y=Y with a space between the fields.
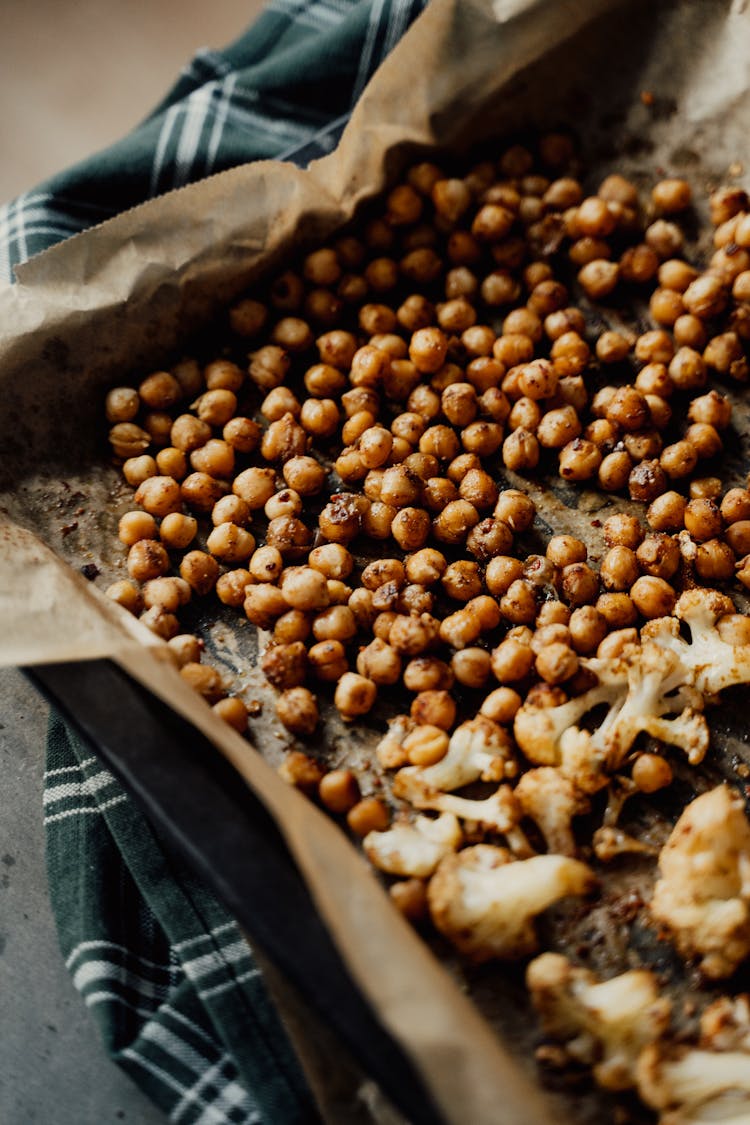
x=53 y=1069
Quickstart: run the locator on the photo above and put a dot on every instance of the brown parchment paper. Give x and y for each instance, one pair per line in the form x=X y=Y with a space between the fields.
x=116 y=301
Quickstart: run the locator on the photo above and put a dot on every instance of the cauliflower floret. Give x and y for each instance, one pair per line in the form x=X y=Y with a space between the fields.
x=551 y=800
x=602 y=1024
x=485 y=902
x=413 y=849
x=703 y=896
x=665 y=675
x=390 y=751
x=725 y=1024
x=538 y=730
x=477 y=749
x=641 y=686
x=694 y=1086
x=715 y=663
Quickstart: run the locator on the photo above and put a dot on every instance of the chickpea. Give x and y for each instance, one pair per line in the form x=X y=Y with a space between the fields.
x=736 y=505
x=521 y=451
x=733 y=628
x=612 y=347
x=160 y=622
x=479 y=489
x=339 y=791
x=519 y=603
x=653 y=597
x=588 y=628
x=216 y=458
x=147 y=559
x=677 y=461
x=233 y=712
x=727 y=202
x=659 y=555
x=255 y=487
x=440 y=442
x=186 y=649
x=248 y=317
x=580 y=584
x=294 y=625
x=322 y=380
x=665 y=238
x=202 y=492
x=598 y=278
x=278 y=402
x=138 y=469
x=126 y=594
x=737 y=536
x=200 y=571
x=579 y=459
x=651 y=772
x=203 y=679
x=159 y=496
x=453 y=524
x=189 y=433
x=666 y=306
x=656 y=348
x=619 y=569
x=169 y=594
x=264 y=604
x=558 y=428
x=511 y=661
x=614 y=471
x=649 y=479
x=136 y=525
x=714 y=561
x=557 y=663
x=671 y=195
x=618 y=611
x=297 y=709
x=188 y=374
x=553 y=613
x=368 y=815
x=222 y=373
x=525 y=414
x=230 y=587
x=471 y=667
x=319 y=417
x=667 y=512
x=172 y=462
x=355 y=695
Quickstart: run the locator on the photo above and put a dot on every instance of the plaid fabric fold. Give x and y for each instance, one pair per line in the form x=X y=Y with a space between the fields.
x=178 y=997
x=283 y=90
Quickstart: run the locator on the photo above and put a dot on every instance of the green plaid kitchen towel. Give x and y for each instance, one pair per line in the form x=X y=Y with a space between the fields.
x=163 y=967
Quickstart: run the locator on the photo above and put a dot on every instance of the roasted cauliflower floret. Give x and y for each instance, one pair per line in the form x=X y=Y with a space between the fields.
x=604 y=1024
x=695 y=1087
x=703 y=896
x=477 y=749
x=641 y=686
x=551 y=800
x=658 y=687
x=413 y=849
x=485 y=902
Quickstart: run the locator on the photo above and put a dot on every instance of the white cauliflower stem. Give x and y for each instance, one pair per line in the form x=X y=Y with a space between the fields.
x=703 y=896
x=413 y=849
x=485 y=902
x=602 y=1024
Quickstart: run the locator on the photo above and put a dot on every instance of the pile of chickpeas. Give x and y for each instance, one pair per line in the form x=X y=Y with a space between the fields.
x=337 y=469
